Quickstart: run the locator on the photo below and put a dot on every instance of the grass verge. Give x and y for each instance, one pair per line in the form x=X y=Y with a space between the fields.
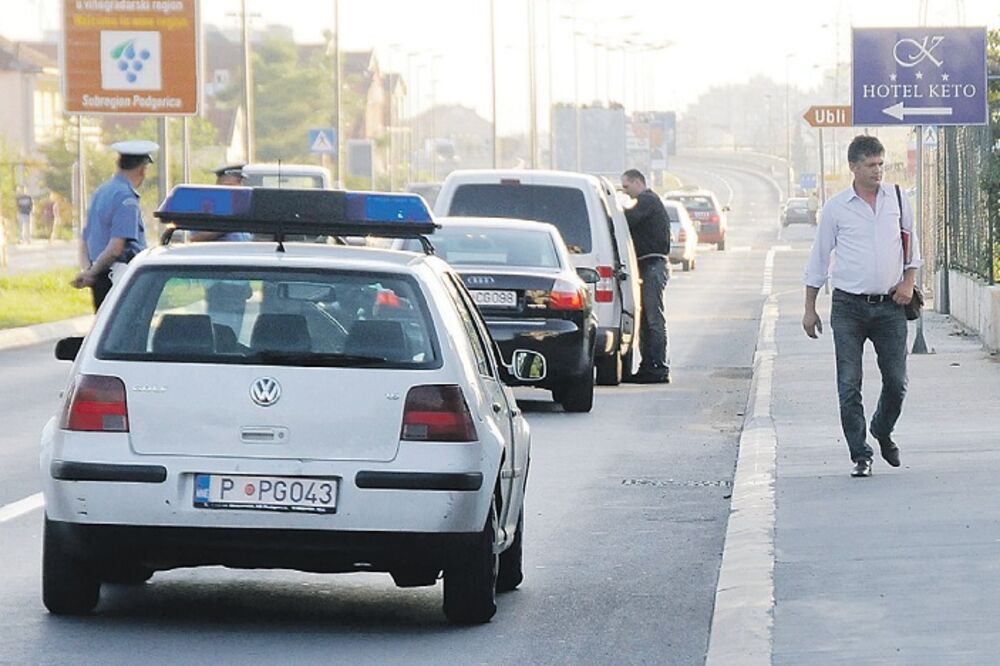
x=38 y=298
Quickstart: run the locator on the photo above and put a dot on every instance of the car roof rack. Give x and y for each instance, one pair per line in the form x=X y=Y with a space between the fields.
x=282 y=212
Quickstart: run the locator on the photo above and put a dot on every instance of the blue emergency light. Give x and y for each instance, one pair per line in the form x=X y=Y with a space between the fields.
x=281 y=212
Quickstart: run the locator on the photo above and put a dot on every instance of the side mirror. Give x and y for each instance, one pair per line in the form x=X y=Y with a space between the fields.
x=588 y=275
x=725 y=209
x=68 y=348
x=528 y=366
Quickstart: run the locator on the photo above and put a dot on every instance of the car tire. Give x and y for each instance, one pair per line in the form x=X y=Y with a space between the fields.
x=127 y=574
x=578 y=394
x=721 y=245
x=70 y=585
x=470 y=581
x=685 y=264
x=511 y=571
x=609 y=369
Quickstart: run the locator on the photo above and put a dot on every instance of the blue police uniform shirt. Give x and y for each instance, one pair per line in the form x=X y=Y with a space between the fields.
x=115 y=213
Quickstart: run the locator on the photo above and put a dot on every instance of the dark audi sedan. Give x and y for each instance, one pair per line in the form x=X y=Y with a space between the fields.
x=522 y=278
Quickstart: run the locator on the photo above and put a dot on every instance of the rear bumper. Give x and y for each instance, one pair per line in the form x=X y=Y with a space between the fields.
x=324 y=551
x=710 y=233
x=565 y=344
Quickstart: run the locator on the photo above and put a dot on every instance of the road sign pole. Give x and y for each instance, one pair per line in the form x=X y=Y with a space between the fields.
x=822 y=171
x=919 y=343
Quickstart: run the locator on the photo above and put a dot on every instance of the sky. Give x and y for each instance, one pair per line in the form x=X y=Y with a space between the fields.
x=443 y=46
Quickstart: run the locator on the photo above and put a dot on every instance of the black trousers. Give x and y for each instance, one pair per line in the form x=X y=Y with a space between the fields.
x=99 y=290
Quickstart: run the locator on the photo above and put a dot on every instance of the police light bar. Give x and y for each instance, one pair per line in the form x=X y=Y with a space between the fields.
x=296 y=211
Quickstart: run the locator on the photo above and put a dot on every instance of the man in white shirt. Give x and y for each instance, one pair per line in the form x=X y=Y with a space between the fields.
x=873 y=277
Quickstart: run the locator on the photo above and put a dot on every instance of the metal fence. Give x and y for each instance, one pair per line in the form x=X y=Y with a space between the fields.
x=960 y=225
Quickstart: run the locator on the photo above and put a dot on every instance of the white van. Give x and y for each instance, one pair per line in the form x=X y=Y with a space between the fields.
x=592 y=223
x=294 y=176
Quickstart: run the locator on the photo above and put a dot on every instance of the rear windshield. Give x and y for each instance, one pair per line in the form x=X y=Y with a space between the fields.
x=565 y=207
x=272 y=317
x=292 y=181
x=463 y=246
x=695 y=203
x=798 y=203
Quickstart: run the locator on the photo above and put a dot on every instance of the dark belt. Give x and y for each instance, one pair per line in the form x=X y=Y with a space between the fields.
x=868 y=298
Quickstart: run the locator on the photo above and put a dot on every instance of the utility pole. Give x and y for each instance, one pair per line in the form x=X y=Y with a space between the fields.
x=532 y=88
x=337 y=91
x=493 y=83
x=247 y=83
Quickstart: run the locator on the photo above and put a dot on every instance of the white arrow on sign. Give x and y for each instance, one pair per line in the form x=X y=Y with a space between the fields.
x=897 y=111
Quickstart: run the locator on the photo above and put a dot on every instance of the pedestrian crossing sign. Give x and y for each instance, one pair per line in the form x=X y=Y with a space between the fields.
x=323 y=140
x=930 y=137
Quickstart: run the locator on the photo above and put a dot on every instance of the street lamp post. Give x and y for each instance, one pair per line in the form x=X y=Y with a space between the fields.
x=788 y=131
x=493 y=83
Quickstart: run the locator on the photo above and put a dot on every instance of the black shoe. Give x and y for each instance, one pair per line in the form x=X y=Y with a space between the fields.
x=652 y=376
x=861 y=468
x=890 y=452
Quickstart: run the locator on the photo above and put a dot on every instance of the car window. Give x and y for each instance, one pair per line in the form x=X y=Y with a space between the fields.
x=565 y=207
x=695 y=202
x=290 y=181
x=495 y=246
x=672 y=213
x=272 y=317
x=466 y=312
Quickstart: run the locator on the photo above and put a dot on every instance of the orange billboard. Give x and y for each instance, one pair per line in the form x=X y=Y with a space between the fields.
x=136 y=57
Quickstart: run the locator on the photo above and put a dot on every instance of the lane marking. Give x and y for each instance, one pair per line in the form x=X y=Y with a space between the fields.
x=743 y=617
x=21 y=507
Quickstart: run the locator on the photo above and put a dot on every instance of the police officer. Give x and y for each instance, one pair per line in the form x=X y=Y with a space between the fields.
x=226 y=299
x=229 y=176
x=115 y=232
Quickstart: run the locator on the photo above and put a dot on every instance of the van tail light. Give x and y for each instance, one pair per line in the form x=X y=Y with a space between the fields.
x=605 y=291
x=567 y=296
x=437 y=413
x=97 y=404
x=713 y=218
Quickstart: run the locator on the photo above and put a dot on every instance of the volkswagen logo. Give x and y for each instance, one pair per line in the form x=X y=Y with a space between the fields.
x=265 y=391
x=479 y=280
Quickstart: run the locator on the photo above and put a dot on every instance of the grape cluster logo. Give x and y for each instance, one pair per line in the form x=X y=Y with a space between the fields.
x=130 y=60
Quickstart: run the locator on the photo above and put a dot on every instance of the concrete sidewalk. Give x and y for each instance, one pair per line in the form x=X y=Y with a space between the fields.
x=899 y=568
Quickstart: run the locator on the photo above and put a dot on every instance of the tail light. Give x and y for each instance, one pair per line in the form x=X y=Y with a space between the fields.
x=97 y=404
x=566 y=296
x=713 y=218
x=437 y=413
x=605 y=291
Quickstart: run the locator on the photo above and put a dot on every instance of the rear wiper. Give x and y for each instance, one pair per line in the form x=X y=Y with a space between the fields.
x=316 y=359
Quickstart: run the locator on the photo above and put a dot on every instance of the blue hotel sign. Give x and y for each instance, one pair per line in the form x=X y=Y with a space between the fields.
x=919 y=76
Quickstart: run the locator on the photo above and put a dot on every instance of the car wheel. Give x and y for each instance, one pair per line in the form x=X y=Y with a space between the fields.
x=511 y=571
x=685 y=264
x=721 y=245
x=127 y=574
x=609 y=369
x=70 y=586
x=470 y=581
x=578 y=394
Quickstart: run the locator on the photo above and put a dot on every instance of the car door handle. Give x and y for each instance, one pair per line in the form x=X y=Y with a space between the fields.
x=497 y=408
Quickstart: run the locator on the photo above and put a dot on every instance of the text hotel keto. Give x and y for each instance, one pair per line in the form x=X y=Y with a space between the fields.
x=120 y=102
x=914 y=91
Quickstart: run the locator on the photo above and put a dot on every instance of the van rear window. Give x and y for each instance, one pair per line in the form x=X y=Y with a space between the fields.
x=695 y=202
x=564 y=207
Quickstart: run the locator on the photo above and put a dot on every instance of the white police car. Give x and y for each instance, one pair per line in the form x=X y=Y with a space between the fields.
x=303 y=406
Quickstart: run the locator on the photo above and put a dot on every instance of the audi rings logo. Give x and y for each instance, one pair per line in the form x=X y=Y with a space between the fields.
x=265 y=391
x=479 y=280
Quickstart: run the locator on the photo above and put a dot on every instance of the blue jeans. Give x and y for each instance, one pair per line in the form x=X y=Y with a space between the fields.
x=855 y=320
x=653 y=343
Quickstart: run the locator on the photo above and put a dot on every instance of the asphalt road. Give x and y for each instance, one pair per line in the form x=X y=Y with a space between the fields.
x=626 y=517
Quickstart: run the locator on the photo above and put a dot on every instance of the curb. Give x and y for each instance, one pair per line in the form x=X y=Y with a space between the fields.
x=742 y=618
x=24 y=336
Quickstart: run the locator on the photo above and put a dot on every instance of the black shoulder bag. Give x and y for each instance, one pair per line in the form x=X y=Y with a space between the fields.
x=912 y=309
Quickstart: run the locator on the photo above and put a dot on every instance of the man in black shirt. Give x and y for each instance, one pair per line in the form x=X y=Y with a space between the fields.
x=650 y=228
